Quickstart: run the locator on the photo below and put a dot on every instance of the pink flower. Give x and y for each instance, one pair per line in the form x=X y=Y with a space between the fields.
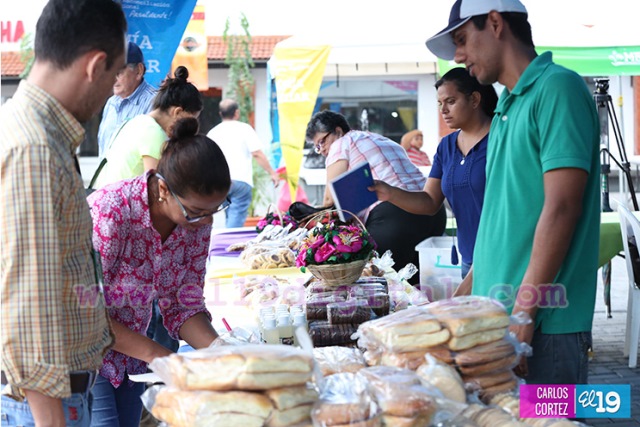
x=262 y=223
x=315 y=241
x=301 y=259
x=324 y=252
x=346 y=242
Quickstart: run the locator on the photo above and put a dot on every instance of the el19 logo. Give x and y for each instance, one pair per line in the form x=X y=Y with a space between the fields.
x=603 y=401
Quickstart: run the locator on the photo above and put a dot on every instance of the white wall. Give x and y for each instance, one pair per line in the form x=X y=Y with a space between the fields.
x=218 y=78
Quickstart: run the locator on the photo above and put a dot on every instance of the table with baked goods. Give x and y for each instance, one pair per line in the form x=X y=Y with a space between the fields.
x=375 y=352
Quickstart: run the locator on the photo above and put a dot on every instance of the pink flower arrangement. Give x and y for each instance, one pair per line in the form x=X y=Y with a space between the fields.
x=334 y=243
x=274 y=219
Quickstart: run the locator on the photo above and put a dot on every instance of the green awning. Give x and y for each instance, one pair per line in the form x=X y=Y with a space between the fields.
x=586 y=61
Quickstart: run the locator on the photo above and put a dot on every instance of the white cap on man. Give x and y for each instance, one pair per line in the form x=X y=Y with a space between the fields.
x=442 y=46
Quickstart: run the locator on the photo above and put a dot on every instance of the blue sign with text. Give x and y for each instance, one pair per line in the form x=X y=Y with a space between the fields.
x=157 y=26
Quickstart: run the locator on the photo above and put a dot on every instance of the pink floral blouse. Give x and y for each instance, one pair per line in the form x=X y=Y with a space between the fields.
x=138 y=267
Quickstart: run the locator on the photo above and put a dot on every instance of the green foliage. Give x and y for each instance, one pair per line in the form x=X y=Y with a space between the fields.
x=26 y=54
x=240 y=62
x=240 y=88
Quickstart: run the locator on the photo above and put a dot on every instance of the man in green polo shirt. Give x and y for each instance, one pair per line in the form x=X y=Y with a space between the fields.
x=537 y=243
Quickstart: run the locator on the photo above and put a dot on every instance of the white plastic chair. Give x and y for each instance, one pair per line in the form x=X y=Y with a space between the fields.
x=630 y=226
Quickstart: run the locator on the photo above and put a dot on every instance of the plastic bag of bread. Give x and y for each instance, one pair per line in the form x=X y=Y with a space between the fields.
x=491 y=416
x=471 y=320
x=335 y=359
x=402 y=399
x=490 y=384
x=405 y=401
x=444 y=377
x=268 y=255
x=180 y=408
x=345 y=400
x=245 y=367
x=413 y=359
x=487 y=368
x=292 y=405
x=407 y=330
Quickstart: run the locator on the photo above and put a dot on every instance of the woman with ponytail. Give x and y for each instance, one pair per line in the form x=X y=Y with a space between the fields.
x=458 y=171
x=137 y=144
x=153 y=232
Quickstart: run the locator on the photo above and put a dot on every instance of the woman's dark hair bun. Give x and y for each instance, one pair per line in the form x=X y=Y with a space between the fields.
x=184 y=128
x=181 y=73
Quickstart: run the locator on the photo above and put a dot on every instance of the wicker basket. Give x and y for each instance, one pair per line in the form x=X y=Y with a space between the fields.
x=338 y=274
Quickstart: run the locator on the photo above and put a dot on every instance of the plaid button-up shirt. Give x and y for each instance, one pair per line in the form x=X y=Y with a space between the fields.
x=46 y=256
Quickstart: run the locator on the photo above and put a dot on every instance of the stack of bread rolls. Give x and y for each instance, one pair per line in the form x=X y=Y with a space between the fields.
x=345 y=400
x=336 y=359
x=444 y=377
x=403 y=400
x=469 y=333
x=491 y=416
x=248 y=385
x=482 y=354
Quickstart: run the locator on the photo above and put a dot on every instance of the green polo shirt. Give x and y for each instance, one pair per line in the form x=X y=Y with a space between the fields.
x=549 y=121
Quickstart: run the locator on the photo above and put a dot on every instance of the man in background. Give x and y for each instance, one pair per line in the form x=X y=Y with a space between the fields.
x=55 y=328
x=132 y=96
x=537 y=244
x=239 y=143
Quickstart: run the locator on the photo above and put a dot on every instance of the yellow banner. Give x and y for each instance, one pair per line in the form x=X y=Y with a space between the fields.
x=298 y=74
x=192 y=51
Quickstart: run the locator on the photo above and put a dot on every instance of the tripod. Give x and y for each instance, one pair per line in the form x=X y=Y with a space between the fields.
x=607 y=113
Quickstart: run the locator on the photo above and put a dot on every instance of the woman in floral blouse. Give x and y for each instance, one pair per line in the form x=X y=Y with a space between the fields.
x=153 y=234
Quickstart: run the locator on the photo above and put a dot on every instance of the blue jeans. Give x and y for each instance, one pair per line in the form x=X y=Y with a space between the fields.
x=240 y=196
x=116 y=407
x=559 y=358
x=157 y=332
x=464 y=269
x=77 y=411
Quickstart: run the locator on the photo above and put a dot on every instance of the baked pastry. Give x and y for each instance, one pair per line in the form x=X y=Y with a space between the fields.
x=399 y=393
x=291 y=397
x=491 y=417
x=443 y=377
x=485 y=381
x=395 y=421
x=246 y=367
x=334 y=359
x=413 y=359
x=351 y=311
x=317 y=304
x=485 y=353
x=507 y=386
x=290 y=416
x=470 y=314
x=507 y=401
x=484 y=368
x=204 y=408
x=332 y=414
x=457 y=343
x=323 y=334
x=345 y=400
x=403 y=331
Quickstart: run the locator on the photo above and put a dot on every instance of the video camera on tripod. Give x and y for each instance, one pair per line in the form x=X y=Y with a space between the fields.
x=607 y=113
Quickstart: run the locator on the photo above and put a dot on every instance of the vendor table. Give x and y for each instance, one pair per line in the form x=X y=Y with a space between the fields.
x=223 y=266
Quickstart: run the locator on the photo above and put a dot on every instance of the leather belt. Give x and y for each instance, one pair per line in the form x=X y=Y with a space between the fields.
x=81 y=381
